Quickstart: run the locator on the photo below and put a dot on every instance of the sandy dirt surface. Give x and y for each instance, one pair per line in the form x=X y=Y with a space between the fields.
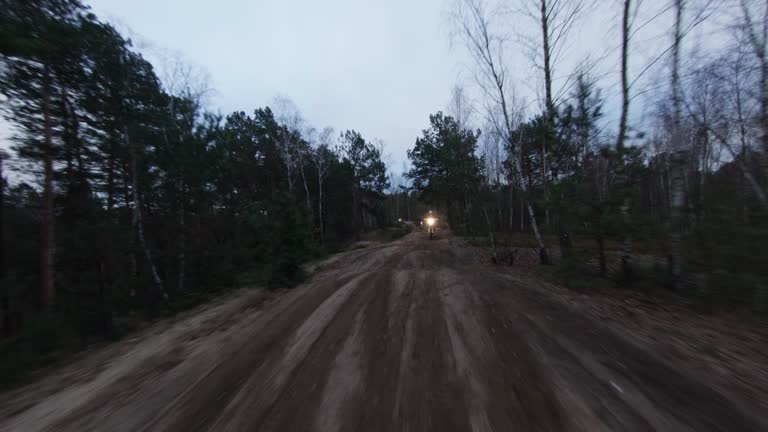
x=403 y=336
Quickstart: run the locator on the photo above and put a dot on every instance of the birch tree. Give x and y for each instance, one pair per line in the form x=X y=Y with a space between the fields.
x=182 y=81
x=473 y=25
x=556 y=18
x=291 y=123
x=626 y=253
x=679 y=153
x=754 y=31
x=3 y=157
x=323 y=157
x=139 y=86
x=303 y=157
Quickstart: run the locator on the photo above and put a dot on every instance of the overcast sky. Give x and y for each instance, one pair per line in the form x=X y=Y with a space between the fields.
x=380 y=67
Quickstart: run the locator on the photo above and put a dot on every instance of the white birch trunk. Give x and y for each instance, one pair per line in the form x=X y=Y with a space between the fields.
x=137 y=219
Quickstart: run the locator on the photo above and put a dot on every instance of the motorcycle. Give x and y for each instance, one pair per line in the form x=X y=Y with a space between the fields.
x=431 y=222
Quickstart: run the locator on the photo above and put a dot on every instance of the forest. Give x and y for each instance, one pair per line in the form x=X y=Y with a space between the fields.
x=129 y=199
x=125 y=197
x=675 y=205
x=566 y=230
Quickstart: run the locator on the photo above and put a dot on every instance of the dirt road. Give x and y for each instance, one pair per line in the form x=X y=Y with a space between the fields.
x=404 y=336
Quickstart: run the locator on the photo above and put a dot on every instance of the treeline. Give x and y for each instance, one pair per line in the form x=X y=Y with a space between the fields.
x=679 y=199
x=131 y=199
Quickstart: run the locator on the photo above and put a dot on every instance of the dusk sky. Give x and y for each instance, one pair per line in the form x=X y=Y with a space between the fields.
x=378 y=67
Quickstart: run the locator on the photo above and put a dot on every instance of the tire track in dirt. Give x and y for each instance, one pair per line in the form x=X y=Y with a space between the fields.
x=163 y=404
x=431 y=395
x=293 y=380
x=585 y=402
x=401 y=337
x=626 y=388
x=136 y=392
x=338 y=345
x=186 y=397
x=399 y=396
x=385 y=329
x=343 y=385
x=507 y=388
x=255 y=397
x=356 y=395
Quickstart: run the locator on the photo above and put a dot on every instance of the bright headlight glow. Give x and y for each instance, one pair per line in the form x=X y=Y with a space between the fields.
x=431 y=221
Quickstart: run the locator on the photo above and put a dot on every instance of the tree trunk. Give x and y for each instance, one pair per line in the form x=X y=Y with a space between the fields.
x=545 y=16
x=549 y=104
x=306 y=189
x=764 y=101
x=564 y=239
x=397 y=207
x=676 y=216
x=500 y=210
x=408 y=205
x=2 y=213
x=182 y=257
x=105 y=314
x=626 y=248
x=511 y=208
x=138 y=223
x=679 y=157
x=600 y=238
x=320 y=204
x=626 y=255
x=355 y=221
x=624 y=78
x=700 y=214
x=543 y=254
x=48 y=245
x=564 y=235
x=491 y=238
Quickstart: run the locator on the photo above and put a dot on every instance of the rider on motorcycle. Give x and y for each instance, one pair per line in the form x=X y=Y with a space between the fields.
x=431 y=223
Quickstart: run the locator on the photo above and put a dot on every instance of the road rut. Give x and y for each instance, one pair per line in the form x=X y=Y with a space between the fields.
x=405 y=336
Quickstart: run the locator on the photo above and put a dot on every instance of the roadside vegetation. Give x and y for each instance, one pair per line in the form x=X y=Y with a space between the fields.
x=125 y=198
x=672 y=203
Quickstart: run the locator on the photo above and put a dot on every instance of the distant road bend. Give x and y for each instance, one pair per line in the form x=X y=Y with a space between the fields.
x=403 y=336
